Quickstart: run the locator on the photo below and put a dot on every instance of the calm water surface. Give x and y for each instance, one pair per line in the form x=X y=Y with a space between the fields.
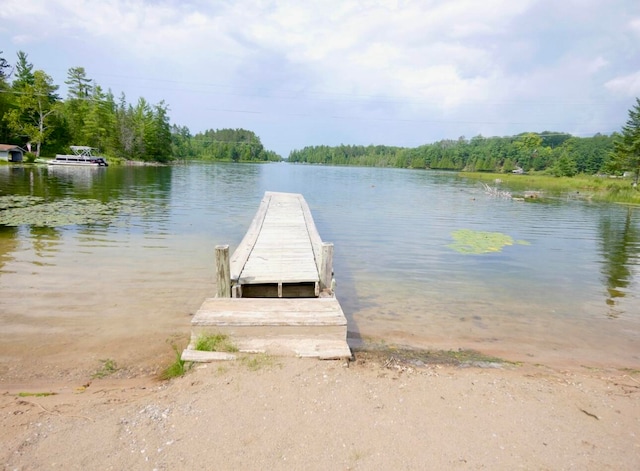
x=570 y=295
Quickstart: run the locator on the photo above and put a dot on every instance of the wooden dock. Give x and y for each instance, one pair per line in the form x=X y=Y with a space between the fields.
x=275 y=293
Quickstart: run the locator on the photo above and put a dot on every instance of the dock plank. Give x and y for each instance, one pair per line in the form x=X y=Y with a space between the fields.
x=273 y=312
x=282 y=249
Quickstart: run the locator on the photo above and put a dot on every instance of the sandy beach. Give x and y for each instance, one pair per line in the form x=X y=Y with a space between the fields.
x=375 y=412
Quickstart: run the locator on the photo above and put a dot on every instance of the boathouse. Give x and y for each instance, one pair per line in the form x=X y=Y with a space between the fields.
x=275 y=294
x=11 y=153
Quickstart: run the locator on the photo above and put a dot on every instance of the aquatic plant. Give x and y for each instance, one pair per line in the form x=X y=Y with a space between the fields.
x=36 y=211
x=468 y=241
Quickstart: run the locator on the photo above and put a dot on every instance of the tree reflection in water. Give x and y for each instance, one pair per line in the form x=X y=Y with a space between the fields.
x=620 y=240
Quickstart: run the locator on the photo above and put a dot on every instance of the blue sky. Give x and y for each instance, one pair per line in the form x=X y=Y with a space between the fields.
x=331 y=72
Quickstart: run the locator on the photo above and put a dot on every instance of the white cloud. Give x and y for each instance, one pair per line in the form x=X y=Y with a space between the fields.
x=597 y=64
x=445 y=61
x=628 y=85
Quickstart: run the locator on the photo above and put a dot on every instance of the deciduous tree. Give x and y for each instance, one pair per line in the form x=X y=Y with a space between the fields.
x=34 y=106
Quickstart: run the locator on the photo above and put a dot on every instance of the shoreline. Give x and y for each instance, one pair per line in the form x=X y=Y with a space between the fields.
x=152 y=357
x=145 y=357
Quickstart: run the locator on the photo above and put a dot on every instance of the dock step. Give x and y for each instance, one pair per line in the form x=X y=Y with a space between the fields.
x=305 y=327
x=189 y=354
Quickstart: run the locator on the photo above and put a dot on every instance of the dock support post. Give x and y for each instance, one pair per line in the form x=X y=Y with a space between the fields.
x=326 y=266
x=223 y=271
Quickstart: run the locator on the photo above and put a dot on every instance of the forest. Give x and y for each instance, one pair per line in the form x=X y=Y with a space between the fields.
x=35 y=117
x=559 y=154
x=551 y=153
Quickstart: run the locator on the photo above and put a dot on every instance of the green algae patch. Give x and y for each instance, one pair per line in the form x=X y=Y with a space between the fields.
x=36 y=211
x=467 y=241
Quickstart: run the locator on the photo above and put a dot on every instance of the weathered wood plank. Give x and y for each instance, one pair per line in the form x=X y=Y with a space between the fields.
x=326 y=266
x=204 y=357
x=271 y=311
x=242 y=252
x=314 y=236
x=323 y=349
x=223 y=271
x=282 y=251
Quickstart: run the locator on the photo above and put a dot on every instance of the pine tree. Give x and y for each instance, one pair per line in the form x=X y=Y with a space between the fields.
x=626 y=148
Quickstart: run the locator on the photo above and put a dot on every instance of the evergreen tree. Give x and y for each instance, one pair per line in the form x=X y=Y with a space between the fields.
x=77 y=104
x=5 y=98
x=24 y=72
x=99 y=121
x=80 y=86
x=626 y=154
x=5 y=71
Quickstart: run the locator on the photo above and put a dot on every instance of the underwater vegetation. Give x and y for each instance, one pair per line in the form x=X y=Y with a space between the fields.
x=36 y=211
x=467 y=241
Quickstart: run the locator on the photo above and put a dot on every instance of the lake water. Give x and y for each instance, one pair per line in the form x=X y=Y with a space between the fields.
x=567 y=293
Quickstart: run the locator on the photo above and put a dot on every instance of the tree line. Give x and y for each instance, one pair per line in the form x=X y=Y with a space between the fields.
x=34 y=116
x=554 y=153
x=230 y=145
x=558 y=153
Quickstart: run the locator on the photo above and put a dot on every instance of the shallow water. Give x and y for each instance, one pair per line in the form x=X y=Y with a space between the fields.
x=571 y=295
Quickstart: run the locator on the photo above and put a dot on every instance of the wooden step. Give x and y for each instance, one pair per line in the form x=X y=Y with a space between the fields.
x=270 y=312
x=324 y=349
x=189 y=354
x=306 y=327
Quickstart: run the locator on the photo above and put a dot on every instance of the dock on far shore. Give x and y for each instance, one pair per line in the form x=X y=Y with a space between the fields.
x=275 y=294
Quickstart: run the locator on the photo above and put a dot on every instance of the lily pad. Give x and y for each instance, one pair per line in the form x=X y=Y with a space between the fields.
x=467 y=241
x=35 y=211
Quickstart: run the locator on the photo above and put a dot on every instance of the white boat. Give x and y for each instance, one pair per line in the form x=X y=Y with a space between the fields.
x=82 y=156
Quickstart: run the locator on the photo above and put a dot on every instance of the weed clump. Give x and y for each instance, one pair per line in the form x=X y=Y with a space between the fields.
x=178 y=368
x=36 y=394
x=109 y=366
x=215 y=343
x=258 y=361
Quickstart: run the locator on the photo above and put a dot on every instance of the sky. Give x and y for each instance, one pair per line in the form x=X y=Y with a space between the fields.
x=330 y=72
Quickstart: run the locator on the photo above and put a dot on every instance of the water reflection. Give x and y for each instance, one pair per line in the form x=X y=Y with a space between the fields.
x=76 y=177
x=620 y=239
x=8 y=244
x=45 y=242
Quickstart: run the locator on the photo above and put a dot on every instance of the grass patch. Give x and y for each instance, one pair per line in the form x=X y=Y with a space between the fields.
x=631 y=371
x=109 y=367
x=215 y=343
x=255 y=362
x=612 y=190
x=36 y=394
x=176 y=369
